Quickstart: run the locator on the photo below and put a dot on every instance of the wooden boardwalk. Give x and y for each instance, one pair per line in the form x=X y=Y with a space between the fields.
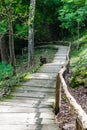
x=31 y=107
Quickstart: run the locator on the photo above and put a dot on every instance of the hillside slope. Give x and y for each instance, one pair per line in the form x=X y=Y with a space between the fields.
x=78 y=62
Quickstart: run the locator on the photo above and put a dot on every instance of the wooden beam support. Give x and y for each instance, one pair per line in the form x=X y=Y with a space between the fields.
x=58 y=95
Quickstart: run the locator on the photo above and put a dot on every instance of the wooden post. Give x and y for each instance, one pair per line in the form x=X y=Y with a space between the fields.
x=67 y=58
x=58 y=95
x=79 y=125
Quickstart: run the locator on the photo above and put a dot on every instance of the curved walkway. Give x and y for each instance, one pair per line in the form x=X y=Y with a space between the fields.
x=31 y=107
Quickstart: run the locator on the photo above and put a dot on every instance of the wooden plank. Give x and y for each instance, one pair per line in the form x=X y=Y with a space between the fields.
x=30 y=127
x=43 y=76
x=16 y=109
x=32 y=94
x=29 y=104
x=15 y=118
x=50 y=69
x=22 y=109
x=18 y=127
x=25 y=119
x=60 y=58
x=50 y=127
x=36 y=89
x=39 y=83
x=58 y=63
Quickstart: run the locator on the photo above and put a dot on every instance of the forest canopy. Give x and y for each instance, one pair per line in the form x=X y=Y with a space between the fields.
x=54 y=20
x=51 y=17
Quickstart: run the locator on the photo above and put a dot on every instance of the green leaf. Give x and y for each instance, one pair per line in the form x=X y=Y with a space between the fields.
x=5 y=70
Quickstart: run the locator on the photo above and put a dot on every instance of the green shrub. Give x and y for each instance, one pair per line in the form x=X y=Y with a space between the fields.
x=74 y=83
x=5 y=70
x=79 y=79
x=85 y=74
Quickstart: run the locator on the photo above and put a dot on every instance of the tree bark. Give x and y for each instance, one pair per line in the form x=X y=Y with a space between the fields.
x=4 y=50
x=31 y=33
x=11 y=43
x=11 y=37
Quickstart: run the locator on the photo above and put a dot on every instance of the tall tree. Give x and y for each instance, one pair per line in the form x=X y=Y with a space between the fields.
x=4 y=50
x=3 y=31
x=31 y=33
x=8 y=10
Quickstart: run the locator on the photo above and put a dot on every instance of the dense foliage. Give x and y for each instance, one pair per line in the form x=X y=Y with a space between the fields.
x=51 y=17
x=72 y=13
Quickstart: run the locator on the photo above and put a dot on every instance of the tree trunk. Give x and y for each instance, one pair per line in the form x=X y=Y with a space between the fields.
x=31 y=33
x=4 y=50
x=11 y=37
x=11 y=43
x=78 y=35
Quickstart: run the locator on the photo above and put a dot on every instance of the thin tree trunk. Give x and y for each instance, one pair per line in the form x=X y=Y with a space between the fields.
x=78 y=35
x=11 y=43
x=31 y=33
x=4 y=50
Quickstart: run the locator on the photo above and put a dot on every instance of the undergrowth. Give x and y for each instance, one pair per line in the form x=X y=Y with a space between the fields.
x=78 y=63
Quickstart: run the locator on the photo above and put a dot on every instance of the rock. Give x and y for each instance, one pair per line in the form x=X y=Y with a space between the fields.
x=69 y=126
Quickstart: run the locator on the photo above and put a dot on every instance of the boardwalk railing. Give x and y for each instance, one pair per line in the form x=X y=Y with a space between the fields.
x=81 y=121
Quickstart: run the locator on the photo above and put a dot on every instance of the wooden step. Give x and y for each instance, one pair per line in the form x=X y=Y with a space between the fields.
x=30 y=127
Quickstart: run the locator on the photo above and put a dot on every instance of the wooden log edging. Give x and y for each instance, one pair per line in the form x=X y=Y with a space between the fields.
x=56 y=42
x=81 y=121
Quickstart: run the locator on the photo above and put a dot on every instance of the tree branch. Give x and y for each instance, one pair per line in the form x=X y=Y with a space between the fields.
x=3 y=14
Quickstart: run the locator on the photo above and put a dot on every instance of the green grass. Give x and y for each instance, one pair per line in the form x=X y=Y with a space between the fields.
x=79 y=57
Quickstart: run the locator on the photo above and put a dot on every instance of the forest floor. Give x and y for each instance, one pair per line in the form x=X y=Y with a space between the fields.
x=66 y=117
